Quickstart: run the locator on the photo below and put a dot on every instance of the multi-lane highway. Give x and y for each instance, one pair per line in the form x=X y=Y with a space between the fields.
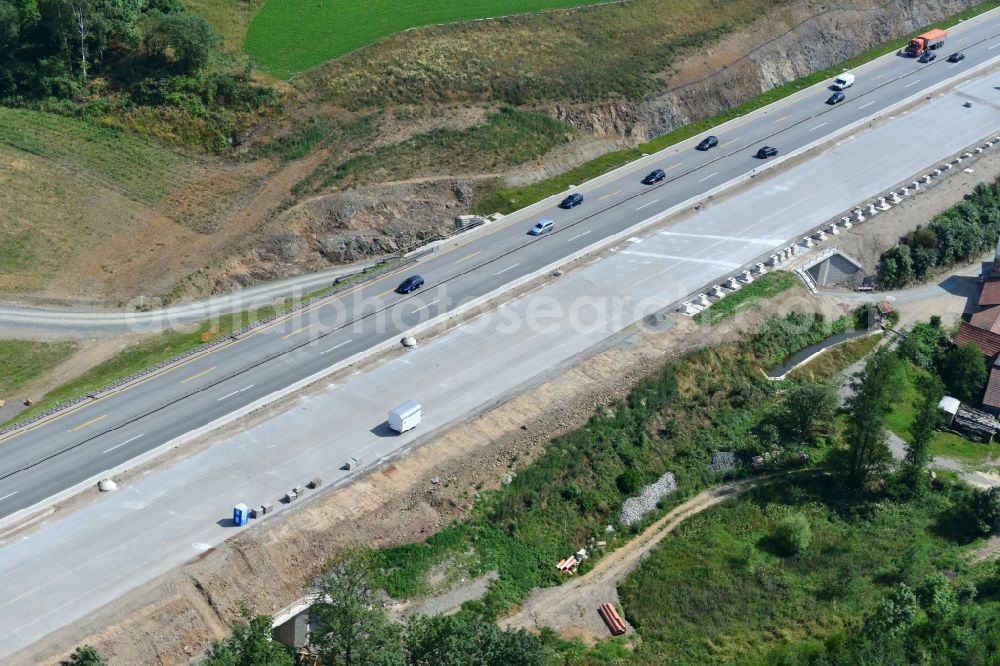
x=83 y=558
x=41 y=461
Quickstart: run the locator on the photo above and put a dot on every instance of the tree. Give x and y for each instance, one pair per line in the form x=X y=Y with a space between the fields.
x=466 y=639
x=249 y=645
x=190 y=38
x=84 y=656
x=893 y=613
x=792 y=534
x=922 y=344
x=809 y=409
x=350 y=626
x=874 y=390
x=981 y=509
x=937 y=597
x=921 y=434
x=964 y=372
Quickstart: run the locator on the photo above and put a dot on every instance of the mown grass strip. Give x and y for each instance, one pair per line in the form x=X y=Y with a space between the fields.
x=24 y=360
x=507 y=200
x=766 y=286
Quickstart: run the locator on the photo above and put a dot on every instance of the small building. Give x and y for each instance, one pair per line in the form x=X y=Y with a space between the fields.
x=949 y=406
x=987 y=341
x=990 y=293
x=975 y=424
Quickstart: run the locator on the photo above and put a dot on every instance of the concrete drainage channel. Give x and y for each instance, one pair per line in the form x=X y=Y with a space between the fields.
x=698 y=302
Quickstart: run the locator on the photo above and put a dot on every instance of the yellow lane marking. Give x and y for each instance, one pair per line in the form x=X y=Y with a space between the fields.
x=90 y=422
x=608 y=195
x=731 y=141
x=781 y=119
x=384 y=293
x=296 y=332
x=196 y=376
x=468 y=257
x=674 y=166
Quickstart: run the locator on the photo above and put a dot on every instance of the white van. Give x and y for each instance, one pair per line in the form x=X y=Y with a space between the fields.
x=843 y=82
x=405 y=416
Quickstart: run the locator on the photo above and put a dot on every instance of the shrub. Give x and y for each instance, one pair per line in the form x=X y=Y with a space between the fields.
x=792 y=534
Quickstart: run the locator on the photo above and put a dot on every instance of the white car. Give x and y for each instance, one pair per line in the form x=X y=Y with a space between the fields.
x=843 y=82
x=543 y=227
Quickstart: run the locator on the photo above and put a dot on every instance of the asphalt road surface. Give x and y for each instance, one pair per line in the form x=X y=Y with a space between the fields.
x=75 y=563
x=42 y=461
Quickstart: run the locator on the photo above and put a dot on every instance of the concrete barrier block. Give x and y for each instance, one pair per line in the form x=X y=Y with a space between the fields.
x=915 y=185
x=702 y=300
x=716 y=292
x=731 y=283
x=871 y=210
x=937 y=173
x=807 y=242
x=745 y=277
x=894 y=198
x=859 y=216
x=882 y=205
x=979 y=150
x=846 y=223
x=833 y=230
x=927 y=178
x=820 y=236
x=759 y=269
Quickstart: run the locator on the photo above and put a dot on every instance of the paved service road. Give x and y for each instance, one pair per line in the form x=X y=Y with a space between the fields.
x=79 y=560
x=39 y=462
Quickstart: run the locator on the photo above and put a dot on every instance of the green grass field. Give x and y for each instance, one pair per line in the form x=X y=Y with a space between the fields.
x=139 y=169
x=764 y=287
x=716 y=590
x=328 y=29
x=23 y=360
x=945 y=444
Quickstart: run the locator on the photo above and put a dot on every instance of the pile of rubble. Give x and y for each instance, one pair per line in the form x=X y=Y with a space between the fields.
x=724 y=461
x=636 y=507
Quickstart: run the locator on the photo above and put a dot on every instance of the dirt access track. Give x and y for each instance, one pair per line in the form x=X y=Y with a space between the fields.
x=571 y=608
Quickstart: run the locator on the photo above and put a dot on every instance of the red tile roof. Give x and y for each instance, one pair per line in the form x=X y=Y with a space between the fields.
x=992 y=396
x=988 y=319
x=990 y=294
x=987 y=341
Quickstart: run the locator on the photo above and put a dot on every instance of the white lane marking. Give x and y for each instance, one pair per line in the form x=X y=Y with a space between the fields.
x=578 y=235
x=123 y=443
x=334 y=347
x=507 y=269
x=655 y=255
x=230 y=395
x=817 y=127
x=913 y=83
x=758 y=241
x=647 y=204
x=868 y=104
x=993 y=47
x=708 y=176
x=423 y=307
x=8 y=495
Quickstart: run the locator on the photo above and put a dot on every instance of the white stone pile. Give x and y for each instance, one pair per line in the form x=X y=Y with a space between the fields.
x=635 y=508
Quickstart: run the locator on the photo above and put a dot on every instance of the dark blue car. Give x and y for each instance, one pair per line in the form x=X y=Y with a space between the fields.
x=574 y=199
x=708 y=142
x=655 y=176
x=411 y=283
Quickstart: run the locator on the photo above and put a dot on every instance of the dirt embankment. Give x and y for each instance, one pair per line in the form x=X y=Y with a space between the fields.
x=378 y=219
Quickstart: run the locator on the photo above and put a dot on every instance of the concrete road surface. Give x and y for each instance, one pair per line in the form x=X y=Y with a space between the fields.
x=75 y=564
x=103 y=434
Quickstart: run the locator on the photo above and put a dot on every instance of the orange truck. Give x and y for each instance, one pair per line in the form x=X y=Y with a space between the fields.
x=929 y=41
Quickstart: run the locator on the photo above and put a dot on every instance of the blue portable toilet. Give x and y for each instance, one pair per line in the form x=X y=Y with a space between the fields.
x=241 y=515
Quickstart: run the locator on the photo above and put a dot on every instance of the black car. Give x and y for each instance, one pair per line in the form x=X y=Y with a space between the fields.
x=574 y=199
x=836 y=98
x=927 y=57
x=708 y=142
x=956 y=57
x=411 y=283
x=765 y=152
x=655 y=176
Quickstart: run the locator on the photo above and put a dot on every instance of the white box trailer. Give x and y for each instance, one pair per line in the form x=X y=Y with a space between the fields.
x=405 y=416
